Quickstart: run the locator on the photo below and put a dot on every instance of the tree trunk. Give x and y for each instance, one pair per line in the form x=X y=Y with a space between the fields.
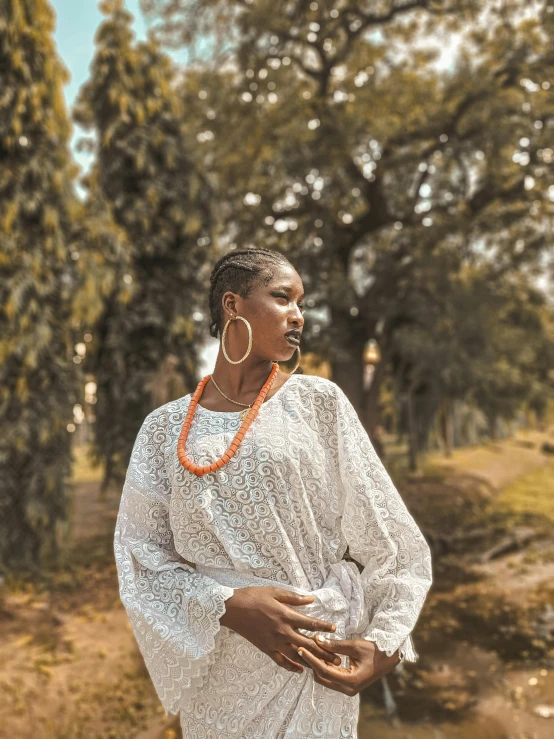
x=447 y=426
x=349 y=337
x=371 y=399
x=398 y=404
x=349 y=376
x=412 y=431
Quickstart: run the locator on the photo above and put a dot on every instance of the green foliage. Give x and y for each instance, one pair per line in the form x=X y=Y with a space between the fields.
x=376 y=171
x=37 y=376
x=414 y=200
x=154 y=204
x=531 y=495
x=464 y=337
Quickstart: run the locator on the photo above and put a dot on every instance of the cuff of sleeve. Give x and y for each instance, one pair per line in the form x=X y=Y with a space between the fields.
x=179 y=671
x=390 y=644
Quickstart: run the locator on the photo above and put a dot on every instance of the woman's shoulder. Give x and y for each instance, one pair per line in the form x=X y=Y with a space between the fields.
x=163 y=416
x=316 y=384
x=307 y=386
x=320 y=390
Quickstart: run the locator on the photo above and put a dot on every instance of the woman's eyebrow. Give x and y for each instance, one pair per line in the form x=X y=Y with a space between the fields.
x=287 y=289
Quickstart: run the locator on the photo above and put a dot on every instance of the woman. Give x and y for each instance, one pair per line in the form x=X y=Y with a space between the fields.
x=233 y=524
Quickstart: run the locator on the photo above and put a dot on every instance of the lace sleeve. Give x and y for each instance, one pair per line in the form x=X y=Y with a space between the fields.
x=383 y=537
x=173 y=610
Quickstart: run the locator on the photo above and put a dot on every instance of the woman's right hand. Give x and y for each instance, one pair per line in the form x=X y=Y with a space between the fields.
x=263 y=615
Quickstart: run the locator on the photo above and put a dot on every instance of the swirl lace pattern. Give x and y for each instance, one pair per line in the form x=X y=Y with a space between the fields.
x=174 y=612
x=305 y=483
x=383 y=537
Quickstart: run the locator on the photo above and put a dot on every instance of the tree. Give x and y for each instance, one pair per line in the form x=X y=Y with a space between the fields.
x=462 y=337
x=332 y=135
x=159 y=203
x=511 y=371
x=38 y=379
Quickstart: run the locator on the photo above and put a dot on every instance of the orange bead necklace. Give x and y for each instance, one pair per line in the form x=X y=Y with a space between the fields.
x=200 y=470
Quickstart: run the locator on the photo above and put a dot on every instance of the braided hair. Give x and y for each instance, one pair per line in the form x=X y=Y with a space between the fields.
x=240 y=271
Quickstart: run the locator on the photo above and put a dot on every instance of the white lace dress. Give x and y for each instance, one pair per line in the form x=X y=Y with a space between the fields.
x=305 y=483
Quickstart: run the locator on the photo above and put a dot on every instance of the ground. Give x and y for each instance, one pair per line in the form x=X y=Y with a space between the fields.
x=70 y=668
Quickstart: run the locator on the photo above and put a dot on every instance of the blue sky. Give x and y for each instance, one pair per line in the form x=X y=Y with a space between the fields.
x=76 y=24
x=77 y=21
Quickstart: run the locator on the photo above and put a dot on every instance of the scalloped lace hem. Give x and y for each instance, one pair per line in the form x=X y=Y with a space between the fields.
x=181 y=682
x=406 y=650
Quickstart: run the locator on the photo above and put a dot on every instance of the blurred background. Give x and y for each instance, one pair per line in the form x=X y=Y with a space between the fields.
x=400 y=154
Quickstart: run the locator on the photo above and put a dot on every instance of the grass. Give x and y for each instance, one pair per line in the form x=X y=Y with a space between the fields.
x=83 y=469
x=532 y=493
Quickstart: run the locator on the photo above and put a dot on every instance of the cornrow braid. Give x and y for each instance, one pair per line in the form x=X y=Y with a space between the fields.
x=239 y=271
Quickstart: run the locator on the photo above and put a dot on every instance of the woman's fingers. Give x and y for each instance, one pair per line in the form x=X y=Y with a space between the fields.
x=300 y=621
x=292 y=598
x=284 y=661
x=308 y=643
x=330 y=672
x=323 y=681
x=343 y=646
x=289 y=650
x=335 y=678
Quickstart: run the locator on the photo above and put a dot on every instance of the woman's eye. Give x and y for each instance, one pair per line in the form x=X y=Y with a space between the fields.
x=282 y=295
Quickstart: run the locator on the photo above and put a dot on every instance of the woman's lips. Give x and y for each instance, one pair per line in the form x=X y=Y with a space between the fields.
x=293 y=340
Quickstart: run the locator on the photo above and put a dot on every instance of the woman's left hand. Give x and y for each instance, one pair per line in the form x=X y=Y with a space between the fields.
x=367 y=664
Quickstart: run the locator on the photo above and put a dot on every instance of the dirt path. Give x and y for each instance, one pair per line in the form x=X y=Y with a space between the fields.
x=497 y=463
x=70 y=667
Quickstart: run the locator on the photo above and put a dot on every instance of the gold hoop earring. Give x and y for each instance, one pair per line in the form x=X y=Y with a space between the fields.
x=249 y=339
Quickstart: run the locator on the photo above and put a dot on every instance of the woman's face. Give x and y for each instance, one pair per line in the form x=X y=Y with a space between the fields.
x=272 y=310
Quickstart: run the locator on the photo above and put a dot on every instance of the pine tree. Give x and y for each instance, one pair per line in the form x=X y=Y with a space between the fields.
x=38 y=378
x=160 y=202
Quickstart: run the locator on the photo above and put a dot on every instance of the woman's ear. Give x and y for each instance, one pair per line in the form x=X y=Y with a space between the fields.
x=229 y=306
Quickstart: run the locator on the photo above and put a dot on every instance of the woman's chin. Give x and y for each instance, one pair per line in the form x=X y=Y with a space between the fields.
x=286 y=357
